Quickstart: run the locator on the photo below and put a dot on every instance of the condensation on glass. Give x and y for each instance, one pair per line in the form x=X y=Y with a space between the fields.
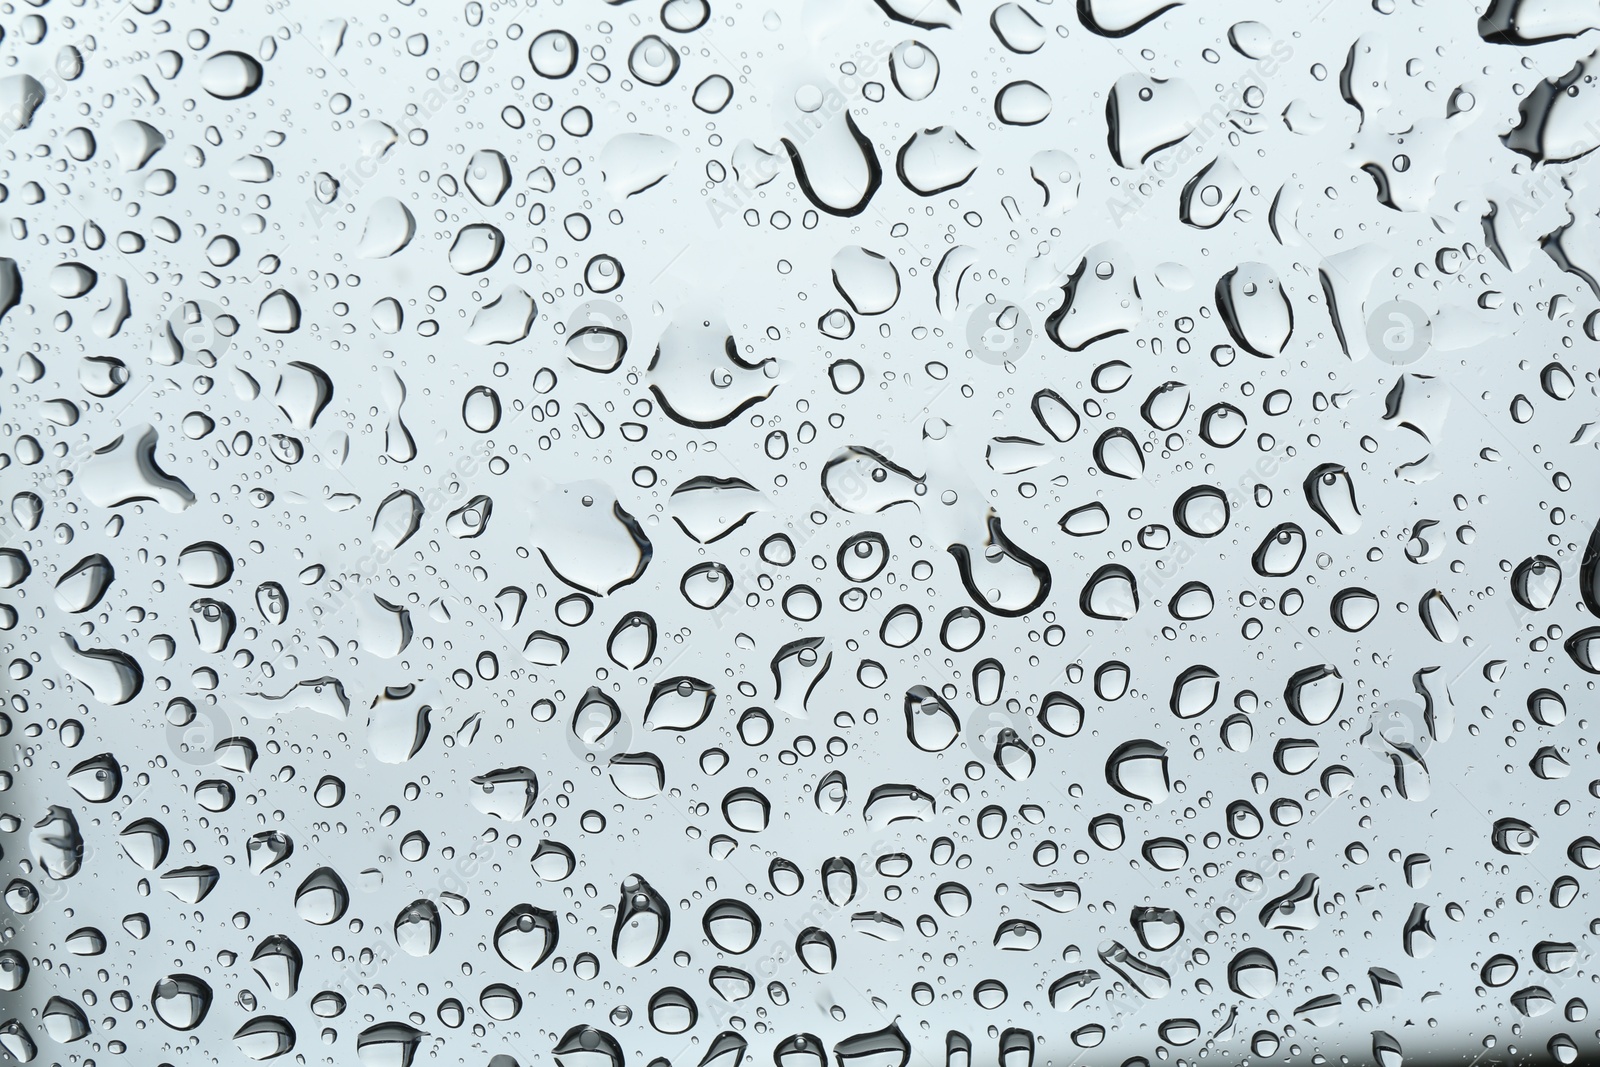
x=859 y=532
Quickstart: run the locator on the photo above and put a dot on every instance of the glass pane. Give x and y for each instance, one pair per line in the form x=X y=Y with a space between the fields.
x=847 y=533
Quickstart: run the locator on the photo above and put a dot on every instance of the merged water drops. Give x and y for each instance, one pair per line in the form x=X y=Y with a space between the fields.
x=833 y=533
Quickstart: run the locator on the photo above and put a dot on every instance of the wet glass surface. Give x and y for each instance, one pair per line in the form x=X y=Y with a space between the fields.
x=855 y=532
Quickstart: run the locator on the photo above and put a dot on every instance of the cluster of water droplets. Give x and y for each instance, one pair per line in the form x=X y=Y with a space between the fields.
x=856 y=531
